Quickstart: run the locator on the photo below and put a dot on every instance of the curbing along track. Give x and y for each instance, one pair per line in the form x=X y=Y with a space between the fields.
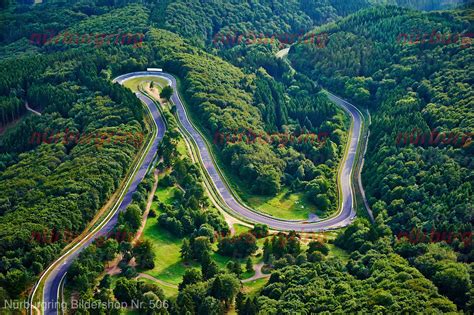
x=235 y=207
x=52 y=277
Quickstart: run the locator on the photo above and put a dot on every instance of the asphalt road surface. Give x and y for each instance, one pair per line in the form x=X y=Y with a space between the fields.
x=52 y=283
x=343 y=218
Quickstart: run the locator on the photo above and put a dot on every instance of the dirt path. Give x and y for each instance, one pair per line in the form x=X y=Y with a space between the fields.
x=112 y=268
x=258 y=273
x=31 y=109
x=282 y=53
x=164 y=283
x=148 y=207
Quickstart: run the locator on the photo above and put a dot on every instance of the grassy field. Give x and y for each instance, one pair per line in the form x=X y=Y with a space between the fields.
x=239 y=229
x=165 y=194
x=335 y=251
x=285 y=205
x=169 y=292
x=133 y=84
x=169 y=266
x=253 y=287
x=181 y=147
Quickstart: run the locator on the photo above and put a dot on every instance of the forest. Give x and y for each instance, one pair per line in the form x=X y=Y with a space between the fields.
x=373 y=280
x=202 y=22
x=417 y=186
x=257 y=104
x=425 y=186
x=55 y=188
x=296 y=167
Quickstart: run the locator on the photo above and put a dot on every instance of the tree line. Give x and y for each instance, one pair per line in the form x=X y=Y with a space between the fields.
x=407 y=87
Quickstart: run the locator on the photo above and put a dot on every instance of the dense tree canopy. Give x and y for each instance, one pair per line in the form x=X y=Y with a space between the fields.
x=404 y=89
x=419 y=160
x=221 y=22
x=58 y=169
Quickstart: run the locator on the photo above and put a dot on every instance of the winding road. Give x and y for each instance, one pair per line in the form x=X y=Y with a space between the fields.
x=55 y=274
x=343 y=218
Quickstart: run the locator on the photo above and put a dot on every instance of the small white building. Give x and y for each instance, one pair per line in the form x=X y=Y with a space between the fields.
x=154 y=69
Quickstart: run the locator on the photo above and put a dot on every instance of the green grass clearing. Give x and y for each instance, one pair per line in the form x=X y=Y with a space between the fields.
x=169 y=291
x=133 y=84
x=285 y=205
x=182 y=148
x=253 y=287
x=335 y=251
x=247 y=274
x=166 y=194
x=239 y=229
x=169 y=266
